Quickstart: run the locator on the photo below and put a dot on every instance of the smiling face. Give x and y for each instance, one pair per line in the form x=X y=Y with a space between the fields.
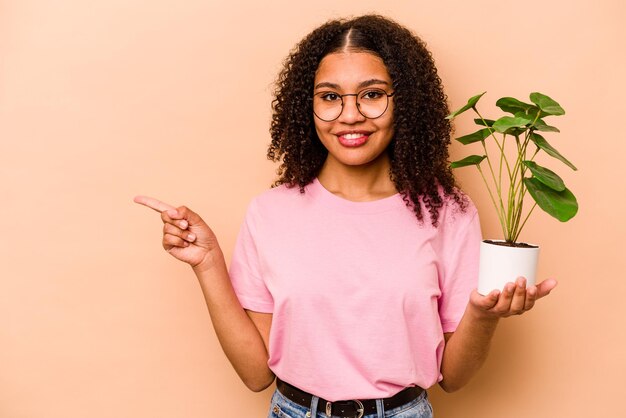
x=352 y=140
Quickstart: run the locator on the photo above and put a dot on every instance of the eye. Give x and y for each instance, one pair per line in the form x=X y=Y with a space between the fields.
x=373 y=94
x=329 y=96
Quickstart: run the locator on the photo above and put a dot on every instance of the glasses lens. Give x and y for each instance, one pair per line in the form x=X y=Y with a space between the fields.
x=372 y=102
x=327 y=105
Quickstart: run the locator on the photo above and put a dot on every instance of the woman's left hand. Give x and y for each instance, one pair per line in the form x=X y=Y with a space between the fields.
x=514 y=299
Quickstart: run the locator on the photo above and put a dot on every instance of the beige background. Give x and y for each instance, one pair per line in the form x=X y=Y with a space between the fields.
x=102 y=100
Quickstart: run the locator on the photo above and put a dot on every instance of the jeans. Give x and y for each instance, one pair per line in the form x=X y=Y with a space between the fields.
x=282 y=407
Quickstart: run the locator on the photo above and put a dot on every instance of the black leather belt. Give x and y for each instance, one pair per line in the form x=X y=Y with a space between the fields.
x=355 y=408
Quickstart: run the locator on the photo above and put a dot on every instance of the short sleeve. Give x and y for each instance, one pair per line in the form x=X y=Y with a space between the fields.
x=459 y=258
x=245 y=272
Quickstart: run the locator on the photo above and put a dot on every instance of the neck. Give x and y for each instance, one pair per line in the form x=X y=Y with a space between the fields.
x=358 y=183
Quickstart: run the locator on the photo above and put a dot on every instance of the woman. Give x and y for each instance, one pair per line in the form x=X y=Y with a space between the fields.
x=352 y=280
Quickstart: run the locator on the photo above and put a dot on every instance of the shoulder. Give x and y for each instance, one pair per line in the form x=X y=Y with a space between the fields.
x=277 y=196
x=281 y=211
x=459 y=225
x=457 y=209
x=279 y=201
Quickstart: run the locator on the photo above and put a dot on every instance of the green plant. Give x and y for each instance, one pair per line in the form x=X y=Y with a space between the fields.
x=519 y=132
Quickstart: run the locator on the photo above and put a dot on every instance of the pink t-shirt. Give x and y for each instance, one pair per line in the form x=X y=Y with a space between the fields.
x=361 y=292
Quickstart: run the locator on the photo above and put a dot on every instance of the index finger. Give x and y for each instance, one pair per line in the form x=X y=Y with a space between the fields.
x=153 y=203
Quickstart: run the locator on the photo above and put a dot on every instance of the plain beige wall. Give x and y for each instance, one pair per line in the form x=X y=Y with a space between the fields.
x=102 y=100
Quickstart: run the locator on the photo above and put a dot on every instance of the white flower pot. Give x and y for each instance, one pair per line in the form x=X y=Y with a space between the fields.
x=500 y=265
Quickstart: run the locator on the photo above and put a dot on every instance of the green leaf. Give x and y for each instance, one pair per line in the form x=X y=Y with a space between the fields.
x=470 y=104
x=546 y=176
x=479 y=135
x=486 y=122
x=467 y=161
x=507 y=122
x=515 y=131
x=541 y=142
x=530 y=114
x=546 y=104
x=540 y=125
x=512 y=105
x=561 y=205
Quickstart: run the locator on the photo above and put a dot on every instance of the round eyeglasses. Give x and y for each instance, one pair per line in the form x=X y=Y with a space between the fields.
x=370 y=102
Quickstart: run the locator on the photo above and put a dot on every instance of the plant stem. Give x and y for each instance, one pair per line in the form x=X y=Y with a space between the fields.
x=500 y=168
x=520 y=189
x=491 y=130
x=512 y=194
x=520 y=203
x=500 y=217
x=501 y=211
x=524 y=223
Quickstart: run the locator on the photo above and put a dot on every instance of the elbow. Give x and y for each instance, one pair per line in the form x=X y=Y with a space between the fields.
x=452 y=384
x=257 y=387
x=449 y=387
x=259 y=384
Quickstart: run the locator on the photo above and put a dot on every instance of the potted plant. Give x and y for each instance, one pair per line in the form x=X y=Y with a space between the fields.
x=513 y=175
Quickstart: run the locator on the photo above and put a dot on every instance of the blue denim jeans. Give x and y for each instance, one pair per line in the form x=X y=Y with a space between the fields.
x=282 y=407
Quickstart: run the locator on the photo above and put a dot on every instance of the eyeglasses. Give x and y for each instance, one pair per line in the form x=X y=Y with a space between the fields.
x=370 y=102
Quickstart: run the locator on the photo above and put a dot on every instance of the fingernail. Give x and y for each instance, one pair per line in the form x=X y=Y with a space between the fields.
x=510 y=287
x=183 y=224
x=191 y=237
x=172 y=212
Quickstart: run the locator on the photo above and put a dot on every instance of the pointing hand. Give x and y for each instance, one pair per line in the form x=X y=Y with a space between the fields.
x=185 y=235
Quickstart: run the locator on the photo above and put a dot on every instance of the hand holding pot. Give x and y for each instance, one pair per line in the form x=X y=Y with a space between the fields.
x=514 y=299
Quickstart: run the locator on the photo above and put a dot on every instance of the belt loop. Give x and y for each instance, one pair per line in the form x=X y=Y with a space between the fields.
x=380 y=408
x=314 y=402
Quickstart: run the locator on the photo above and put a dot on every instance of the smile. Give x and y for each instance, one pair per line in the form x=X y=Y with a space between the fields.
x=353 y=139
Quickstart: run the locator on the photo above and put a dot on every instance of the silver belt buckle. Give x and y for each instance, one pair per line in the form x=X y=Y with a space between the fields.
x=360 y=409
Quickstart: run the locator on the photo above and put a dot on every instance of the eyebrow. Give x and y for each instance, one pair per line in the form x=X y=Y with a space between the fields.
x=365 y=83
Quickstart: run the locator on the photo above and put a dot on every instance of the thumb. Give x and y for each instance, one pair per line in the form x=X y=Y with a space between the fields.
x=183 y=212
x=544 y=288
x=485 y=302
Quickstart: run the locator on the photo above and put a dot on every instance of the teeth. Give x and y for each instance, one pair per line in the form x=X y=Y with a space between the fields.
x=352 y=136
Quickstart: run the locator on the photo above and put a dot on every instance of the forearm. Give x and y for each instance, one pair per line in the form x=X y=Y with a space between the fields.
x=466 y=350
x=240 y=339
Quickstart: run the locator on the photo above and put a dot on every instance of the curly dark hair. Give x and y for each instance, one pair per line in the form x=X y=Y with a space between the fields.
x=419 y=148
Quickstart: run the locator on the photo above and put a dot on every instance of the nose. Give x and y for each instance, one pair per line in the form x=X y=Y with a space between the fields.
x=350 y=111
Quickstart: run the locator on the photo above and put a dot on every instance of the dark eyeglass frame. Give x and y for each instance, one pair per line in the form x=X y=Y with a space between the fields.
x=358 y=107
